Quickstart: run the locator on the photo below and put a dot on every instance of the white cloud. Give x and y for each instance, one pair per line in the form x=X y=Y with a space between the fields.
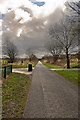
x=45 y=23
x=1 y=28
x=0 y=24
x=1 y=32
x=45 y=10
x=22 y=14
x=19 y=32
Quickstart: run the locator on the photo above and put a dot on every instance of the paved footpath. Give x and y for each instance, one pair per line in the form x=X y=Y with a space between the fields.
x=22 y=71
x=51 y=96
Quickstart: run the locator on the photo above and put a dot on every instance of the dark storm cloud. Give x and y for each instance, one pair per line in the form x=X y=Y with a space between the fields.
x=34 y=33
x=10 y=22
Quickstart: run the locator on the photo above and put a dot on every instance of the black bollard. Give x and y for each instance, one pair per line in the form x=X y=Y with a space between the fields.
x=22 y=61
x=11 y=68
x=5 y=72
x=30 y=67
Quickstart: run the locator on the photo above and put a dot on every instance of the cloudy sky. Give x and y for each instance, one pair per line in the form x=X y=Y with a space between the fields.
x=26 y=22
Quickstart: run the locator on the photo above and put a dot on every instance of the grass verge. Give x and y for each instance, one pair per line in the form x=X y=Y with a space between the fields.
x=72 y=76
x=15 y=91
x=51 y=66
x=34 y=65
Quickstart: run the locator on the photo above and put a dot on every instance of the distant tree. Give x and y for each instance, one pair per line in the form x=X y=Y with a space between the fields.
x=29 y=52
x=63 y=33
x=54 y=48
x=10 y=50
x=33 y=57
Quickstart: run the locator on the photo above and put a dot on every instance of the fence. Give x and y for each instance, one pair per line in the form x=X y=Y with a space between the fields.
x=6 y=71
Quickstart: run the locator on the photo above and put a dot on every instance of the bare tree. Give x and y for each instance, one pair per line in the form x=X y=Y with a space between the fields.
x=63 y=33
x=75 y=6
x=10 y=50
x=54 y=48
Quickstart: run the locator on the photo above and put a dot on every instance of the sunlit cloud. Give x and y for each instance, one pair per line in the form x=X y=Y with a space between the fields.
x=45 y=23
x=46 y=9
x=22 y=14
x=19 y=32
x=1 y=27
x=0 y=23
x=1 y=32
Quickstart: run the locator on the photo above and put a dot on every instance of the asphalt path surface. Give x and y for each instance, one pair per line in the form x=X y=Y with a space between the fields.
x=51 y=96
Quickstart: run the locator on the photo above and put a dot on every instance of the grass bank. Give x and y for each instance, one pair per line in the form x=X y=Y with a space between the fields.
x=15 y=90
x=24 y=65
x=51 y=66
x=75 y=65
x=20 y=66
x=72 y=76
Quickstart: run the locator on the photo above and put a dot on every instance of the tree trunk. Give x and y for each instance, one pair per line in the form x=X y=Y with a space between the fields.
x=12 y=60
x=68 y=60
x=55 y=58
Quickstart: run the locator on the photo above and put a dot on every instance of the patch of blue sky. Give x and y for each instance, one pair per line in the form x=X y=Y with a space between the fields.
x=9 y=8
x=2 y=16
x=37 y=3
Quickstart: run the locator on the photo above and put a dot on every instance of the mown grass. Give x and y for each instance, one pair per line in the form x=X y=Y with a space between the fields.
x=72 y=76
x=51 y=66
x=14 y=94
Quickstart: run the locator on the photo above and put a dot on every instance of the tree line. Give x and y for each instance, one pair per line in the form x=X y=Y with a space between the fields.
x=65 y=33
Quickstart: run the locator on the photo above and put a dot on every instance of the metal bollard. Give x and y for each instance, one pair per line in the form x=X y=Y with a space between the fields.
x=11 y=68
x=22 y=61
x=5 y=72
x=30 y=67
